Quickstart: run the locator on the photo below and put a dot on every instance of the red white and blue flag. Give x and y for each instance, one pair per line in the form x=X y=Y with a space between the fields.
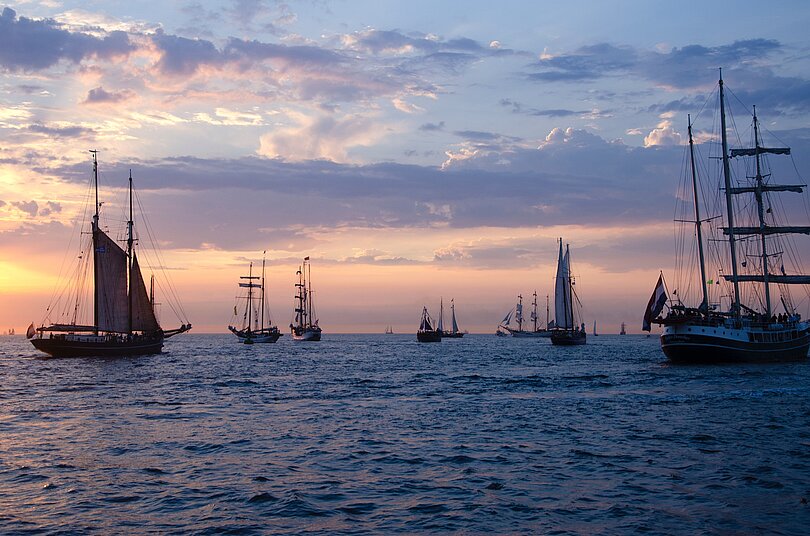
x=656 y=304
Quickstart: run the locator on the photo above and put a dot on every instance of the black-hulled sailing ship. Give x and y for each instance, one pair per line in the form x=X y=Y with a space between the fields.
x=426 y=331
x=253 y=329
x=453 y=332
x=754 y=328
x=568 y=331
x=124 y=320
x=305 y=326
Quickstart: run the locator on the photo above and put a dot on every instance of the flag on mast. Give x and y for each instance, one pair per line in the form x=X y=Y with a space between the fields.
x=656 y=304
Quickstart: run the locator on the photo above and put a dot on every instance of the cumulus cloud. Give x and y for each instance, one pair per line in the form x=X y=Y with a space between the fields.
x=663 y=134
x=28 y=207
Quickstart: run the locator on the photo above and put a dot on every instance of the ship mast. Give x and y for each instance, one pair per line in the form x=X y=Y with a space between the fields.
x=761 y=213
x=729 y=203
x=250 y=300
x=534 y=310
x=570 y=300
x=264 y=253
x=95 y=245
x=130 y=241
x=704 y=306
x=520 y=310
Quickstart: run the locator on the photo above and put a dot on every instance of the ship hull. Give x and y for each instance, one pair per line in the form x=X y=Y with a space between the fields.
x=451 y=335
x=256 y=337
x=530 y=334
x=95 y=346
x=428 y=336
x=307 y=335
x=568 y=338
x=681 y=344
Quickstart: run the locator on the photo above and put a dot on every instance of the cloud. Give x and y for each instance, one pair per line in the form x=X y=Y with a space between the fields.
x=69 y=131
x=99 y=95
x=28 y=207
x=663 y=134
x=31 y=45
x=432 y=127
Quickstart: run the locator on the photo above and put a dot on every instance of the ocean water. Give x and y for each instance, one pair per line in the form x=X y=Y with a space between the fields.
x=376 y=434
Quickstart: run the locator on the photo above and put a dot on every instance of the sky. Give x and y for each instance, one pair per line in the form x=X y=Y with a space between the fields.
x=414 y=150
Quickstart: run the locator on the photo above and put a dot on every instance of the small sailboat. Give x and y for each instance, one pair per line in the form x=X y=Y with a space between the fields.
x=426 y=332
x=305 y=327
x=623 y=330
x=253 y=329
x=454 y=333
x=568 y=330
x=389 y=330
x=595 y=334
x=124 y=320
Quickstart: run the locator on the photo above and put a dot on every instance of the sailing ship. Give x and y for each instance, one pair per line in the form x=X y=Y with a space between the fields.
x=124 y=320
x=389 y=330
x=453 y=333
x=595 y=334
x=567 y=331
x=253 y=328
x=305 y=327
x=623 y=329
x=750 y=330
x=535 y=331
x=426 y=332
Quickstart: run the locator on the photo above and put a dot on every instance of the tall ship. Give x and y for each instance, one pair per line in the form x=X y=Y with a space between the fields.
x=253 y=329
x=623 y=329
x=760 y=322
x=305 y=326
x=536 y=330
x=426 y=331
x=453 y=332
x=124 y=322
x=569 y=330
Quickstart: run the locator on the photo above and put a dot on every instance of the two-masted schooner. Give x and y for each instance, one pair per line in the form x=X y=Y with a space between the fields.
x=253 y=329
x=756 y=326
x=305 y=325
x=124 y=320
x=453 y=332
x=569 y=330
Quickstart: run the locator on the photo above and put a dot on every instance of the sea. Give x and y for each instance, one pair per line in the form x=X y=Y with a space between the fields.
x=378 y=434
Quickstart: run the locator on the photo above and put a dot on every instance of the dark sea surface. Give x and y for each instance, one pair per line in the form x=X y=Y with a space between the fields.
x=362 y=434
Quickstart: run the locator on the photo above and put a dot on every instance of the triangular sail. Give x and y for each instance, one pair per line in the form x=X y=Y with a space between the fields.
x=562 y=293
x=440 y=327
x=143 y=315
x=455 y=324
x=111 y=284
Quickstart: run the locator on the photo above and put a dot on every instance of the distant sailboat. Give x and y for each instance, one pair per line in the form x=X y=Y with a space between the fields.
x=426 y=332
x=389 y=330
x=306 y=326
x=623 y=331
x=568 y=331
x=535 y=331
x=250 y=333
x=124 y=320
x=454 y=333
x=595 y=334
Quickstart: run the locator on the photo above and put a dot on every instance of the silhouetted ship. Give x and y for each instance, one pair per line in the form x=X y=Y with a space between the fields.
x=389 y=330
x=567 y=331
x=426 y=332
x=533 y=317
x=253 y=329
x=623 y=329
x=745 y=332
x=454 y=332
x=124 y=321
x=305 y=327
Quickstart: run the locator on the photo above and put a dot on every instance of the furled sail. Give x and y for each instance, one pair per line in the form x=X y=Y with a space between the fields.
x=562 y=293
x=143 y=315
x=111 y=284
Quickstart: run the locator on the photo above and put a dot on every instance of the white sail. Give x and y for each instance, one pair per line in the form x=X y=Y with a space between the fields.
x=519 y=312
x=143 y=315
x=562 y=293
x=440 y=327
x=111 y=284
